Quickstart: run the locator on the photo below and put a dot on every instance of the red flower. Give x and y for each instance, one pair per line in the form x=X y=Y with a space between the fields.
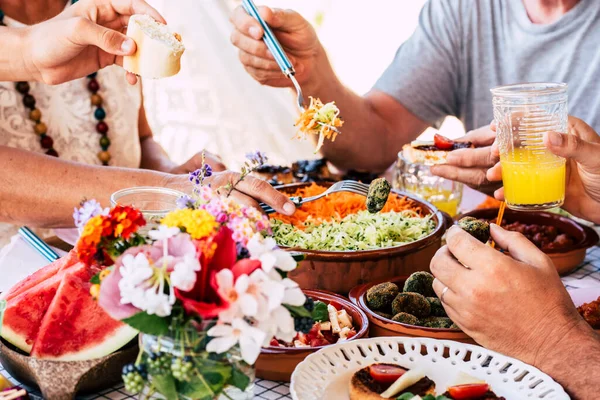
x=124 y=221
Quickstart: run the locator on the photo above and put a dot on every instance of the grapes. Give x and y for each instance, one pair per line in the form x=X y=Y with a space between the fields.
x=159 y=363
x=303 y=324
x=134 y=377
x=182 y=368
x=309 y=304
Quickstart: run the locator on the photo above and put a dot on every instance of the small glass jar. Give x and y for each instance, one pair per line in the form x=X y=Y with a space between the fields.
x=533 y=177
x=417 y=178
x=153 y=202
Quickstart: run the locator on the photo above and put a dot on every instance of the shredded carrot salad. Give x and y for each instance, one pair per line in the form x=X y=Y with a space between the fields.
x=326 y=114
x=489 y=202
x=337 y=206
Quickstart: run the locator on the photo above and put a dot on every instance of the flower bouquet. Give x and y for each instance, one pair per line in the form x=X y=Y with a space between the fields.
x=206 y=289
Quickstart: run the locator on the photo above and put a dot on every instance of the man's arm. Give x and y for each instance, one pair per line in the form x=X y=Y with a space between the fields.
x=12 y=65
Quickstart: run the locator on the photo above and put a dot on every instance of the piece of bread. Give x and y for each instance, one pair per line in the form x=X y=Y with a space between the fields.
x=427 y=154
x=158 y=51
x=364 y=387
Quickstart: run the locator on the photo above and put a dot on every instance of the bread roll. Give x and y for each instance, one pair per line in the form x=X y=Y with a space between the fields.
x=158 y=51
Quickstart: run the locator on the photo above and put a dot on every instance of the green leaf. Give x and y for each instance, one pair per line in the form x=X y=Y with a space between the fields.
x=239 y=379
x=146 y=323
x=298 y=311
x=95 y=279
x=320 y=313
x=214 y=374
x=165 y=385
x=405 y=396
x=298 y=256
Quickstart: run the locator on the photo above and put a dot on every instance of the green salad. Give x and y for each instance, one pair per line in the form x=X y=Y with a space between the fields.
x=360 y=231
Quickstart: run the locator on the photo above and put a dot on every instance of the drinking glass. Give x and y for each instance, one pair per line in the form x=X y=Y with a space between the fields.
x=533 y=177
x=417 y=178
x=153 y=202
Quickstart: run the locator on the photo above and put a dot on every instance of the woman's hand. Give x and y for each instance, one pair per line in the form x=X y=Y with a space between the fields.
x=84 y=38
x=515 y=304
x=581 y=148
x=195 y=163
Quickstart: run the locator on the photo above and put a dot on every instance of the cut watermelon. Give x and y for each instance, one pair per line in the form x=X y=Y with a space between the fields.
x=24 y=312
x=41 y=275
x=76 y=328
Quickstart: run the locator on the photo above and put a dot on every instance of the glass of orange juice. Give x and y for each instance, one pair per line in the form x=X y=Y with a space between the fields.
x=533 y=177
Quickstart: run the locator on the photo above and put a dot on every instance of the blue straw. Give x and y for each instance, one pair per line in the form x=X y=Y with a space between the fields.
x=38 y=244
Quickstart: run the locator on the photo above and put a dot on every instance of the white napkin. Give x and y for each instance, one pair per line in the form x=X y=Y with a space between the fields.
x=18 y=260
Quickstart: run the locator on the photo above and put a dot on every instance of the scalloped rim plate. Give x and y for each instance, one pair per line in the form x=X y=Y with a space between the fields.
x=326 y=373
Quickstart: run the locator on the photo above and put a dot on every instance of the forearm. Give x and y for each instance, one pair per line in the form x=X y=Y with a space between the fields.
x=154 y=157
x=575 y=362
x=12 y=63
x=42 y=191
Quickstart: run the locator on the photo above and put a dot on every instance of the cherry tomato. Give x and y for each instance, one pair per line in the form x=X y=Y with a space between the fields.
x=274 y=343
x=319 y=342
x=384 y=373
x=469 y=391
x=443 y=143
x=351 y=334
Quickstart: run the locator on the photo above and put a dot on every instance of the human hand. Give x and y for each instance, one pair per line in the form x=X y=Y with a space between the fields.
x=194 y=163
x=516 y=305
x=581 y=147
x=83 y=39
x=470 y=165
x=297 y=37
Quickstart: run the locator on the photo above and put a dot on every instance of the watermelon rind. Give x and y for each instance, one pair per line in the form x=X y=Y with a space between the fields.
x=15 y=339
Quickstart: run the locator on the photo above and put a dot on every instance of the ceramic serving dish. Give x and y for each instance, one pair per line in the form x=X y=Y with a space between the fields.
x=380 y=326
x=340 y=271
x=564 y=261
x=278 y=363
x=62 y=380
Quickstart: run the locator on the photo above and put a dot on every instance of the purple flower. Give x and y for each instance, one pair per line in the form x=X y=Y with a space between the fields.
x=88 y=210
x=207 y=170
x=257 y=158
x=185 y=201
x=195 y=176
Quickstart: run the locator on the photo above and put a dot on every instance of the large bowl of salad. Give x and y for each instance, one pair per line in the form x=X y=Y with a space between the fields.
x=343 y=245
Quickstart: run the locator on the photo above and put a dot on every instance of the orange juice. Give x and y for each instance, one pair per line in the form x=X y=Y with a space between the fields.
x=533 y=179
x=444 y=199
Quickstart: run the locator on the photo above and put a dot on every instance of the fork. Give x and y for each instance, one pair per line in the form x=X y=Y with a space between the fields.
x=341 y=186
x=280 y=57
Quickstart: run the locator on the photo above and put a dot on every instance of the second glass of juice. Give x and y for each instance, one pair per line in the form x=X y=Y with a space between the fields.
x=533 y=177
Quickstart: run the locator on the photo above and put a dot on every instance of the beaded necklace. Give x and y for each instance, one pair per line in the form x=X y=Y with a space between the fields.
x=41 y=129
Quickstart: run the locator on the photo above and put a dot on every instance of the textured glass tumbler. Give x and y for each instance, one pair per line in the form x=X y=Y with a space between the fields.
x=533 y=177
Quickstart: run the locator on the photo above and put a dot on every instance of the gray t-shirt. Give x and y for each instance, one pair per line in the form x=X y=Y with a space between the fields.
x=463 y=48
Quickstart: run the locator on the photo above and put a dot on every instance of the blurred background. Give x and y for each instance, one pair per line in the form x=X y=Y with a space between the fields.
x=213 y=104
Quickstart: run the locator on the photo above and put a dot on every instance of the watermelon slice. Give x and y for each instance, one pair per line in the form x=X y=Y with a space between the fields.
x=76 y=328
x=24 y=312
x=41 y=275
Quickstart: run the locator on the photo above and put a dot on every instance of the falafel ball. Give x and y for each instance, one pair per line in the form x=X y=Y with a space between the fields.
x=379 y=191
x=411 y=303
x=454 y=326
x=437 y=309
x=381 y=296
x=420 y=282
x=437 y=322
x=478 y=228
x=406 y=318
x=383 y=314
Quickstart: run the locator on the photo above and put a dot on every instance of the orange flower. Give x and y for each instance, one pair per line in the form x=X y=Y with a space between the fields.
x=125 y=221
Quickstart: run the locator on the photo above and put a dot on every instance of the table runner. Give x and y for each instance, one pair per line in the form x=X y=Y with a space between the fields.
x=587 y=275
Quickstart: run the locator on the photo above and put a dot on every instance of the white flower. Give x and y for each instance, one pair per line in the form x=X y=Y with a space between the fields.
x=266 y=251
x=293 y=294
x=163 y=232
x=244 y=295
x=157 y=303
x=279 y=324
x=134 y=271
x=183 y=276
x=226 y=336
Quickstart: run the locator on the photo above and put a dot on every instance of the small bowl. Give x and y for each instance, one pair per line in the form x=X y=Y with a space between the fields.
x=278 y=363
x=325 y=269
x=380 y=326
x=564 y=261
x=62 y=380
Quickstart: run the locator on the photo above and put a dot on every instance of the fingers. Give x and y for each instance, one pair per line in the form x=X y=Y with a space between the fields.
x=85 y=32
x=518 y=246
x=250 y=60
x=474 y=177
x=260 y=190
x=132 y=79
x=478 y=157
x=468 y=250
x=575 y=148
x=483 y=136
x=248 y=25
x=494 y=174
x=445 y=268
x=450 y=297
x=499 y=194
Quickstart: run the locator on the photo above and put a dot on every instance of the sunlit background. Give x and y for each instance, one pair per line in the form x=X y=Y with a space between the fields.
x=214 y=104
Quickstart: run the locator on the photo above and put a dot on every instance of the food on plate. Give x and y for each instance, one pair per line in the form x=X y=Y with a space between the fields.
x=340 y=222
x=158 y=53
x=420 y=282
x=432 y=152
x=411 y=303
x=478 y=228
x=386 y=381
x=416 y=305
x=547 y=238
x=275 y=174
x=382 y=295
x=379 y=191
x=591 y=313
x=330 y=324
x=319 y=119
x=53 y=316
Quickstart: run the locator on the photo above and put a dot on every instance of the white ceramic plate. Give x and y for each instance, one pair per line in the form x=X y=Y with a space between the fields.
x=326 y=373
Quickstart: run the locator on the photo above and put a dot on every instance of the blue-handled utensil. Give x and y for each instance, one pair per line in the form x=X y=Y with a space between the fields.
x=280 y=57
x=38 y=244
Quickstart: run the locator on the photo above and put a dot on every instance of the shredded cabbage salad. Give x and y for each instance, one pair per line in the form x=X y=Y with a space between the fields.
x=360 y=231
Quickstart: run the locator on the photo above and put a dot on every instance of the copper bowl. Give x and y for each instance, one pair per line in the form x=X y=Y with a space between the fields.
x=564 y=261
x=278 y=363
x=340 y=271
x=380 y=326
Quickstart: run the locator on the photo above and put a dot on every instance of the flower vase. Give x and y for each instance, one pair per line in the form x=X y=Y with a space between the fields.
x=179 y=367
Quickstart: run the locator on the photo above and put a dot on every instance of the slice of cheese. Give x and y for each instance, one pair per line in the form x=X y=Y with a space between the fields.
x=465 y=379
x=405 y=381
x=421 y=143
